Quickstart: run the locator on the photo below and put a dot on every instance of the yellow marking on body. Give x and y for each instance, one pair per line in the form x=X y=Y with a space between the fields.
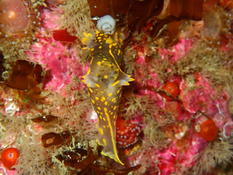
x=99 y=108
x=92 y=49
x=93 y=101
x=109 y=41
x=110 y=94
x=105 y=109
x=106 y=103
x=103 y=99
x=113 y=100
x=110 y=52
x=97 y=85
x=115 y=107
x=97 y=98
x=100 y=47
x=112 y=138
x=126 y=83
x=99 y=63
x=115 y=83
x=118 y=52
x=131 y=79
x=88 y=72
x=86 y=38
x=118 y=91
x=104 y=142
x=101 y=131
x=90 y=90
x=105 y=76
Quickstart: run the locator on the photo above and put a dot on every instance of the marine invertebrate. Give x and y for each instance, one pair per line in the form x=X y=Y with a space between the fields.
x=20 y=20
x=170 y=90
x=55 y=139
x=127 y=132
x=104 y=80
x=9 y=157
x=106 y=24
x=166 y=142
x=44 y=119
x=24 y=75
x=15 y=17
x=207 y=129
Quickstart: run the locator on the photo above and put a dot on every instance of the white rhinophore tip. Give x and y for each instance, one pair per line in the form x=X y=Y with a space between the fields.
x=106 y=24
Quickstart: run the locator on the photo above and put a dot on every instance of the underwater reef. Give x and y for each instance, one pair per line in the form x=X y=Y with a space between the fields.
x=116 y=87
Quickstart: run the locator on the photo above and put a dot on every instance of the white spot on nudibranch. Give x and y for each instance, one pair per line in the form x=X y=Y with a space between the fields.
x=93 y=115
x=106 y=24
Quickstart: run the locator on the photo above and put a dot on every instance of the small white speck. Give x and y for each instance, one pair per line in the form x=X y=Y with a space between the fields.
x=93 y=115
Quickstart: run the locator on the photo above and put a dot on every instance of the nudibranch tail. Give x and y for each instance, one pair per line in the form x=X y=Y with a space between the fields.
x=104 y=80
x=107 y=132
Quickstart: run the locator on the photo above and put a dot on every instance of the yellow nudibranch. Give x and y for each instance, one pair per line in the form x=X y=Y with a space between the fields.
x=104 y=80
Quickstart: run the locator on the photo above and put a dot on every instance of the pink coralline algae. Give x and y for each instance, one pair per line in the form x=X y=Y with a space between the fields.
x=50 y=18
x=170 y=157
x=62 y=63
x=177 y=51
x=153 y=96
x=5 y=171
x=152 y=81
x=201 y=98
x=196 y=145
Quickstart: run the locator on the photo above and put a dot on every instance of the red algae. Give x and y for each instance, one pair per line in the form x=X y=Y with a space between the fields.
x=14 y=17
x=63 y=35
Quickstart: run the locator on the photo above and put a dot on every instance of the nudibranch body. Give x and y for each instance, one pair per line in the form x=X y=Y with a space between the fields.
x=105 y=80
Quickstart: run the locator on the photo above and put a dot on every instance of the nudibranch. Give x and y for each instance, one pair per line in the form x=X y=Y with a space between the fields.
x=104 y=80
